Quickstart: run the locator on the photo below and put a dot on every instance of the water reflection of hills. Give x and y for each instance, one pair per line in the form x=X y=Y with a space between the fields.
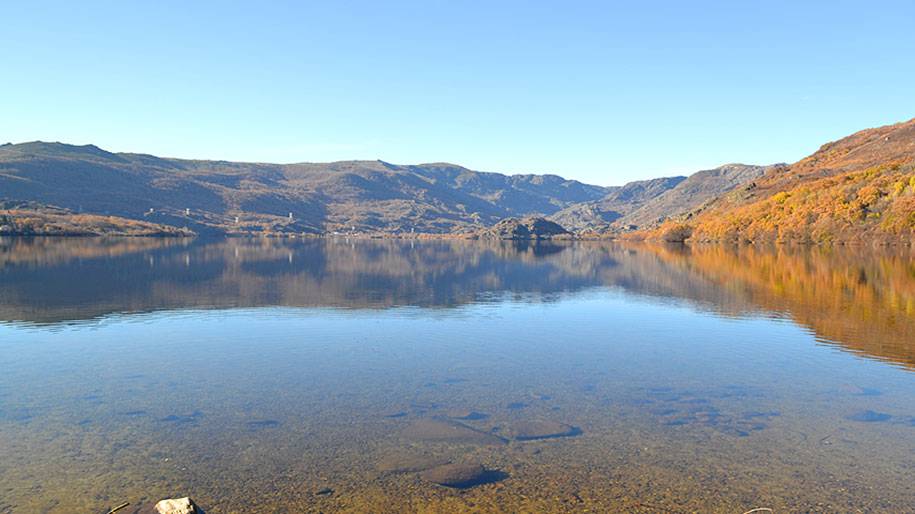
x=863 y=300
x=41 y=283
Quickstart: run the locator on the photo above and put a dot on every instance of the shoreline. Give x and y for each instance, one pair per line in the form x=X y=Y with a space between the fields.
x=877 y=243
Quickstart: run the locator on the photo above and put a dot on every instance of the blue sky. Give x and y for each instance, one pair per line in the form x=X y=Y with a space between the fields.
x=604 y=92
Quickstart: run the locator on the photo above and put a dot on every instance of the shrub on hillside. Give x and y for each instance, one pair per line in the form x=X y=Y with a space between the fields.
x=675 y=232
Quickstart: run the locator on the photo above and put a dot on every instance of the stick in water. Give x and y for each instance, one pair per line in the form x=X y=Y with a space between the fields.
x=119 y=507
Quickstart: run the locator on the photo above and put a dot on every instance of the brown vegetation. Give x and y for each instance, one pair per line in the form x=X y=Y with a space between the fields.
x=858 y=189
x=55 y=222
x=876 y=204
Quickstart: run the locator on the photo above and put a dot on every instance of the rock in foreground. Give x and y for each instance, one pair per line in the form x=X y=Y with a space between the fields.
x=456 y=475
x=528 y=430
x=178 y=506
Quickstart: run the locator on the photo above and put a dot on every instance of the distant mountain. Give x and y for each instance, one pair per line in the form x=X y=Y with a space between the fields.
x=697 y=189
x=209 y=196
x=618 y=203
x=648 y=203
x=860 y=188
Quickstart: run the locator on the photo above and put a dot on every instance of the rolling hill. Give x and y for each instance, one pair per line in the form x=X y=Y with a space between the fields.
x=696 y=190
x=232 y=197
x=621 y=201
x=858 y=189
x=645 y=204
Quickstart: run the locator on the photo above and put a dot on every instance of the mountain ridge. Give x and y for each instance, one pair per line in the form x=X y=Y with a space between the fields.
x=234 y=197
x=857 y=188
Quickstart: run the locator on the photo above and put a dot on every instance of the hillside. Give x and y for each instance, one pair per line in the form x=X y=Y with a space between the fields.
x=697 y=189
x=208 y=196
x=45 y=221
x=648 y=203
x=618 y=203
x=860 y=188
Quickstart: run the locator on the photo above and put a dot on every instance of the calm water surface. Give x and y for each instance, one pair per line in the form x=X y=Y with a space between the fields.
x=301 y=376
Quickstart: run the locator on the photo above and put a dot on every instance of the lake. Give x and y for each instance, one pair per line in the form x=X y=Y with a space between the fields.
x=274 y=376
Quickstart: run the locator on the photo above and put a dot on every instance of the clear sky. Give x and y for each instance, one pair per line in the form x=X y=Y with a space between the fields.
x=601 y=91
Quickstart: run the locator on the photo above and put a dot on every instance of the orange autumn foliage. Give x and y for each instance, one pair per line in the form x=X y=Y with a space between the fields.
x=855 y=190
x=854 y=206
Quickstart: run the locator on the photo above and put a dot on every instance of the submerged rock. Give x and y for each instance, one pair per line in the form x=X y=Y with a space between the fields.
x=421 y=407
x=261 y=424
x=178 y=506
x=446 y=431
x=181 y=419
x=527 y=430
x=870 y=416
x=456 y=475
x=406 y=461
x=860 y=391
x=466 y=414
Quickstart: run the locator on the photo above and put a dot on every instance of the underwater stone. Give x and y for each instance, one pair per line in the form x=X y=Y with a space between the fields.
x=403 y=461
x=466 y=414
x=455 y=475
x=527 y=430
x=446 y=431
x=870 y=416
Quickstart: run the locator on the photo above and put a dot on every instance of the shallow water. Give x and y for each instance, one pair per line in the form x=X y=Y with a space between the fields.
x=296 y=376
